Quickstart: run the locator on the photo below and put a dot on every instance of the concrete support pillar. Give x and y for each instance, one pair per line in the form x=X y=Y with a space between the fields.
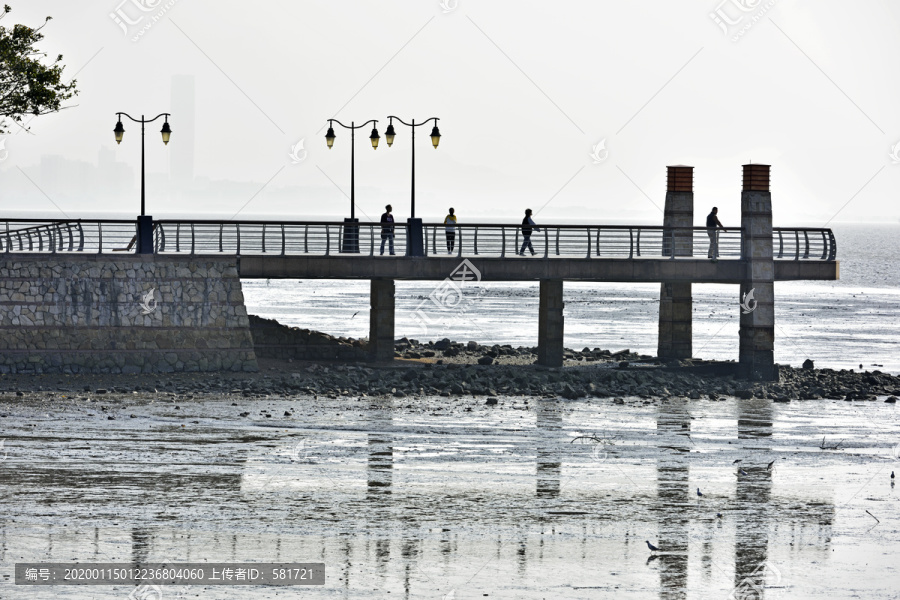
x=550 y=323
x=381 y=320
x=757 y=332
x=675 y=302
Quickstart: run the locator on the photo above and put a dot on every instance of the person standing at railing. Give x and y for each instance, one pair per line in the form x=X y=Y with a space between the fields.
x=450 y=230
x=387 y=229
x=528 y=226
x=712 y=230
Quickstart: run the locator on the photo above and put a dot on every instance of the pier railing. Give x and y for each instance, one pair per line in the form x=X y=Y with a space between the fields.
x=321 y=238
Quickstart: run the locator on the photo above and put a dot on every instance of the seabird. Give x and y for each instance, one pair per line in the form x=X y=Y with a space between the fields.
x=742 y=472
x=651 y=546
x=737 y=461
x=699 y=493
x=770 y=465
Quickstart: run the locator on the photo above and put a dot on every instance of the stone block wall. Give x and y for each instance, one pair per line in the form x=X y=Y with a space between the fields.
x=131 y=314
x=271 y=339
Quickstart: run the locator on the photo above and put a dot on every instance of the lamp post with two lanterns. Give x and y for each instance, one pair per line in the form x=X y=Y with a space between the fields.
x=145 y=222
x=416 y=245
x=350 y=240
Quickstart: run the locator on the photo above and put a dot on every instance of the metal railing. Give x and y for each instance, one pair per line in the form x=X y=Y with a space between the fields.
x=582 y=241
x=803 y=243
x=322 y=238
x=88 y=236
x=276 y=238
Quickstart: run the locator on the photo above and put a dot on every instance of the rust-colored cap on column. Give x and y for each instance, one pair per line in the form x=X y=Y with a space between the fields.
x=756 y=178
x=680 y=178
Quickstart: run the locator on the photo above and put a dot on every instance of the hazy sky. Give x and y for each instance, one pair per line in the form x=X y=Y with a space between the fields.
x=525 y=91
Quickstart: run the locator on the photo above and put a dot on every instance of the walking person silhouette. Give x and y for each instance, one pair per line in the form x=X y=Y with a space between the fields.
x=528 y=226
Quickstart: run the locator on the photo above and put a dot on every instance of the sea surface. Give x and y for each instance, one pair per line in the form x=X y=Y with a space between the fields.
x=841 y=325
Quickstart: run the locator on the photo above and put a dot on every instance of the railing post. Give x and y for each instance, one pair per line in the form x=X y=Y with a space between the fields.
x=80 y=236
x=796 y=244
x=630 y=243
x=598 y=241
x=178 y=237
x=780 y=243
x=161 y=238
x=589 y=242
x=833 y=254
x=806 y=242
x=547 y=242
x=282 y=240
x=237 y=229
x=639 y=242
x=371 y=240
x=425 y=244
x=264 y=238
x=459 y=241
x=221 y=230
x=474 y=242
x=824 y=245
x=192 y=238
x=557 y=241
x=502 y=241
x=433 y=239
x=52 y=241
x=306 y=239
x=100 y=236
x=327 y=241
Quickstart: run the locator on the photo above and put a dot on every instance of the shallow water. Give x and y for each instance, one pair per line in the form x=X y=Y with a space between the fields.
x=420 y=498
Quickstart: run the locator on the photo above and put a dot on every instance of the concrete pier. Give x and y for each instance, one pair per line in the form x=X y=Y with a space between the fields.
x=757 y=325
x=550 y=323
x=381 y=320
x=675 y=302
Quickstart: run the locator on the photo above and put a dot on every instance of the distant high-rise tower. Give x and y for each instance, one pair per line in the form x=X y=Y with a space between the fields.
x=181 y=157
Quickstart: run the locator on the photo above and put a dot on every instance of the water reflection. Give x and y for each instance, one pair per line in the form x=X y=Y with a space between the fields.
x=549 y=465
x=753 y=494
x=673 y=428
x=406 y=503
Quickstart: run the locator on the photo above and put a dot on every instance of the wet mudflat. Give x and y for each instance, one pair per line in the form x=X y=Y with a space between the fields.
x=450 y=498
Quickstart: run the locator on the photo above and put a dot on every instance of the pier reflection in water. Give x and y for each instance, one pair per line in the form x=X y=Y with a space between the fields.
x=429 y=503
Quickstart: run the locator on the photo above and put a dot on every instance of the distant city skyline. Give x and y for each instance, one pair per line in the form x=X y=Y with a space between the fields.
x=579 y=122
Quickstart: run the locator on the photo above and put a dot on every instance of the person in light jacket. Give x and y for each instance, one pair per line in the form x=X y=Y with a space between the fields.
x=450 y=230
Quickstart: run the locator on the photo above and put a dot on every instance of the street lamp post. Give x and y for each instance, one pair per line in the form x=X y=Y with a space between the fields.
x=145 y=222
x=350 y=240
x=416 y=244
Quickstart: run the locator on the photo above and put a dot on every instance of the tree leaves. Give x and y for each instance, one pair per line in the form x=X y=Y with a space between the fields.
x=28 y=86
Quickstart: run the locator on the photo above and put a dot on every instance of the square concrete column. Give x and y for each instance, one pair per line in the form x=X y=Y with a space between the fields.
x=675 y=301
x=550 y=323
x=381 y=320
x=757 y=293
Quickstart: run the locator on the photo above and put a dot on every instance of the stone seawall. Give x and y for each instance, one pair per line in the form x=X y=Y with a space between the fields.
x=129 y=314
